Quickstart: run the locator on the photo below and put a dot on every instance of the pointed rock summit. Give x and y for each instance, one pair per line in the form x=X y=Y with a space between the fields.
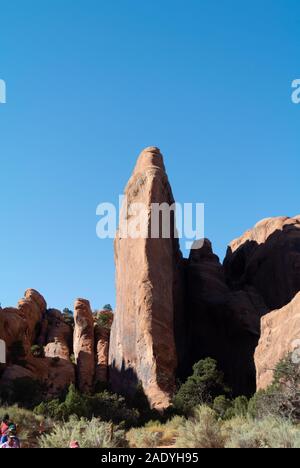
x=142 y=346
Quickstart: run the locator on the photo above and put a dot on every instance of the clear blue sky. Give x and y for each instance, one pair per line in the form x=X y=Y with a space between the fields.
x=91 y=83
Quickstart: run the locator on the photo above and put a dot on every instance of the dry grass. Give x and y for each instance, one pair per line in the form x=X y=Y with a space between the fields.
x=155 y=434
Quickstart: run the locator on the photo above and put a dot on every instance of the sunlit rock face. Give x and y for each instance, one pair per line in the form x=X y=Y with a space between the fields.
x=142 y=346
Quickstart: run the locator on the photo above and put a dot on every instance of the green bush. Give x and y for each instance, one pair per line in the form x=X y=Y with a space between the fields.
x=68 y=317
x=203 y=430
x=105 y=405
x=282 y=397
x=89 y=434
x=206 y=383
x=37 y=351
x=222 y=406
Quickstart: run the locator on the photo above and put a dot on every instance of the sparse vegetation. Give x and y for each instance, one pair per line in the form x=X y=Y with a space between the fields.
x=89 y=434
x=105 y=405
x=203 y=430
x=269 y=420
x=68 y=317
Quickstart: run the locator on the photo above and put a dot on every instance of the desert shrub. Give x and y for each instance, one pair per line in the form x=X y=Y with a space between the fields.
x=107 y=307
x=111 y=407
x=222 y=406
x=52 y=409
x=28 y=424
x=105 y=405
x=268 y=432
x=144 y=438
x=206 y=383
x=68 y=317
x=37 y=351
x=25 y=391
x=103 y=320
x=229 y=409
x=203 y=430
x=282 y=397
x=89 y=434
x=168 y=430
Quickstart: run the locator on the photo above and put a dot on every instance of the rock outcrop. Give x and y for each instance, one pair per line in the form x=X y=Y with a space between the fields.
x=102 y=335
x=221 y=323
x=20 y=325
x=84 y=345
x=267 y=257
x=280 y=335
x=59 y=336
x=142 y=346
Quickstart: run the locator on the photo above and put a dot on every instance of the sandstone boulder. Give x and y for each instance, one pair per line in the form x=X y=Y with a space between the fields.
x=280 y=335
x=142 y=346
x=84 y=345
x=21 y=324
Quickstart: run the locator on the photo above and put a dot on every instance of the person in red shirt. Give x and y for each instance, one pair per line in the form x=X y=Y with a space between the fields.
x=4 y=429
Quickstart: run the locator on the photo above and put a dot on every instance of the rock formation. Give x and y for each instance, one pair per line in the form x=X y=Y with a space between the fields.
x=102 y=335
x=171 y=312
x=19 y=325
x=84 y=345
x=31 y=324
x=267 y=257
x=142 y=347
x=280 y=335
x=59 y=336
x=221 y=323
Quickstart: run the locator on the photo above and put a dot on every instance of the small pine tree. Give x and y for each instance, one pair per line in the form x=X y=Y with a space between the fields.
x=206 y=383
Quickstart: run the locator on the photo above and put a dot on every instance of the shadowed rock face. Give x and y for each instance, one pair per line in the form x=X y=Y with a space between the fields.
x=267 y=257
x=280 y=335
x=221 y=323
x=84 y=345
x=142 y=346
x=102 y=335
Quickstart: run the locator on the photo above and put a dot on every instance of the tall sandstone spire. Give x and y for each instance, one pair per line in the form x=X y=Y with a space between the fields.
x=142 y=346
